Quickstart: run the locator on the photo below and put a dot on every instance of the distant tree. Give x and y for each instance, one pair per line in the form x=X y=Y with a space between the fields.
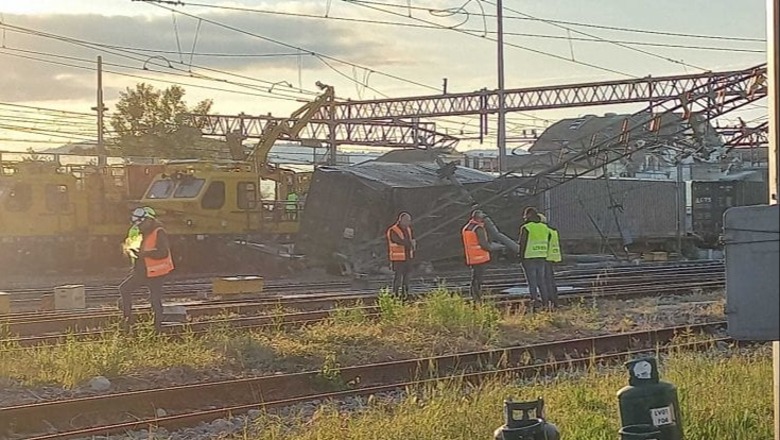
x=151 y=122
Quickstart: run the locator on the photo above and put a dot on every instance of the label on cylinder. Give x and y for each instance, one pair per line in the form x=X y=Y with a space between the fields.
x=662 y=416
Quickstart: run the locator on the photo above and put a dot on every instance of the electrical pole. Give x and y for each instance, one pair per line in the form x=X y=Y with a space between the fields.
x=773 y=80
x=101 y=148
x=333 y=157
x=501 y=105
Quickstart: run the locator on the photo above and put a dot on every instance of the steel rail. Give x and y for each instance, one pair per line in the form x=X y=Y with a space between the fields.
x=297 y=319
x=237 y=396
x=29 y=324
x=189 y=290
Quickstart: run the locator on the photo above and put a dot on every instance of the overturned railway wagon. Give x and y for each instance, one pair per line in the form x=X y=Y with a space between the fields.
x=348 y=210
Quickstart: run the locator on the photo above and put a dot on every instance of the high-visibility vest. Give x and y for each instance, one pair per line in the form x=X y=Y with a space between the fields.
x=554 y=249
x=292 y=202
x=156 y=268
x=132 y=243
x=536 y=247
x=474 y=252
x=397 y=252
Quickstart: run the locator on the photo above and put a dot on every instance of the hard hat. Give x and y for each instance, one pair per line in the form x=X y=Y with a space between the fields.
x=141 y=213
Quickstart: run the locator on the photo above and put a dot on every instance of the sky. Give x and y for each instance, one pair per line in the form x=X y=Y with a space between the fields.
x=260 y=57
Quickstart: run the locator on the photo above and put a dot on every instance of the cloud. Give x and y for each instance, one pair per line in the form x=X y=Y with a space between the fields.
x=24 y=80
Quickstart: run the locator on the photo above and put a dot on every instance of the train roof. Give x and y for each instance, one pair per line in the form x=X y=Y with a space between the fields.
x=407 y=175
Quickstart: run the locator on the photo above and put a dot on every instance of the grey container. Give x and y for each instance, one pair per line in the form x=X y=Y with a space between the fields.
x=627 y=210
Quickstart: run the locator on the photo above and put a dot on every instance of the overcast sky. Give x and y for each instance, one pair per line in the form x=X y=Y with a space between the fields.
x=49 y=47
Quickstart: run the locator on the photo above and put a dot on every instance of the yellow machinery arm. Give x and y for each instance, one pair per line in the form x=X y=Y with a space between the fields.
x=289 y=127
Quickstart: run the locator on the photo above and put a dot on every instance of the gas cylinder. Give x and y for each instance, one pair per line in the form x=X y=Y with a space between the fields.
x=649 y=401
x=640 y=432
x=525 y=427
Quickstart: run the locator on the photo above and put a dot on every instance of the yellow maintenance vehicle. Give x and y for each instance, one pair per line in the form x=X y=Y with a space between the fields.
x=205 y=205
x=64 y=217
x=56 y=217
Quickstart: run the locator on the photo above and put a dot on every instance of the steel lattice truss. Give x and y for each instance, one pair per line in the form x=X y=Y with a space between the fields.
x=743 y=136
x=714 y=98
x=645 y=90
x=397 y=134
x=387 y=122
x=711 y=99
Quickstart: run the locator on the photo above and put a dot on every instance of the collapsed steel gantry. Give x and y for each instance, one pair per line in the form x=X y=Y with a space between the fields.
x=397 y=122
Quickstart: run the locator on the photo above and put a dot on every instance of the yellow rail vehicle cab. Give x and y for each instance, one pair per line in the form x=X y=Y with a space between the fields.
x=35 y=202
x=219 y=202
x=42 y=210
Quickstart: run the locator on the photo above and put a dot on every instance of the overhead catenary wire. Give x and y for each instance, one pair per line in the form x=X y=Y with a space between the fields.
x=145 y=59
x=515 y=45
x=585 y=25
x=625 y=46
x=319 y=55
x=90 y=44
x=484 y=16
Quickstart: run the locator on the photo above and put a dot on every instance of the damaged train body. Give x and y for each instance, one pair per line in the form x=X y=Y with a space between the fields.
x=348 y=210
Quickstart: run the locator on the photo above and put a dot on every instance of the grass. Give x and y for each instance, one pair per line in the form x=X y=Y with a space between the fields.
x=721 y=398
x=441 y=323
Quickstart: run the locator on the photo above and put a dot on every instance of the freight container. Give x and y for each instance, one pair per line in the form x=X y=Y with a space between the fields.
x=709 y=200
x=620 y=211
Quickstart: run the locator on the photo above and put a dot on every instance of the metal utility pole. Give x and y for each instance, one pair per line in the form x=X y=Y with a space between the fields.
x=333 y=157
x=773 y=79
x=681 y=211
x=101 y=148
x=501 y=104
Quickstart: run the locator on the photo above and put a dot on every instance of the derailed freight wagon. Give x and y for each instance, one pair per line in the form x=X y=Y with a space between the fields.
x=348 y=210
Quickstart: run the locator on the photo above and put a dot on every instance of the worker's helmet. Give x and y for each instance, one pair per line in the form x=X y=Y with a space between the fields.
x=139 y=214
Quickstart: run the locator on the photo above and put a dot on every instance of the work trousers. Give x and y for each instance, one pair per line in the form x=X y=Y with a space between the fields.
x=552 y=286
x=135 y=281
x=477 y=277
x=534 y=273
x=401 y=269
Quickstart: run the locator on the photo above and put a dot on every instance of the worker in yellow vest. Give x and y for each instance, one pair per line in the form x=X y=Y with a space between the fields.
x=533 y=244
x=553 y=258
x=153 y=262
x=401 y=247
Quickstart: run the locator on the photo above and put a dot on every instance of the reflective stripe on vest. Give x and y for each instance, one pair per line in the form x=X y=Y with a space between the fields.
x=536 y=247
x=554 y=251
x=156 y=268
x=397 y=252
x=474 y=252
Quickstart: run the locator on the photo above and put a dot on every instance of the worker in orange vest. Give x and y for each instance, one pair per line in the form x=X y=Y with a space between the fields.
x=152 y=264
x=477 y=248
x=401 y=247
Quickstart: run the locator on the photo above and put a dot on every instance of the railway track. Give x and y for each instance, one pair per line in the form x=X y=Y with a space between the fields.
x=36 y=329
x=28 y=299
x=122 y=412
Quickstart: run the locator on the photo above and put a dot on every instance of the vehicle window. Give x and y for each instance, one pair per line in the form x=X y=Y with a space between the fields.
x=57 y=198
x=19 y=198
x=160 y=189
x=214 y=198
x=246 y=195
x=188 y=188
